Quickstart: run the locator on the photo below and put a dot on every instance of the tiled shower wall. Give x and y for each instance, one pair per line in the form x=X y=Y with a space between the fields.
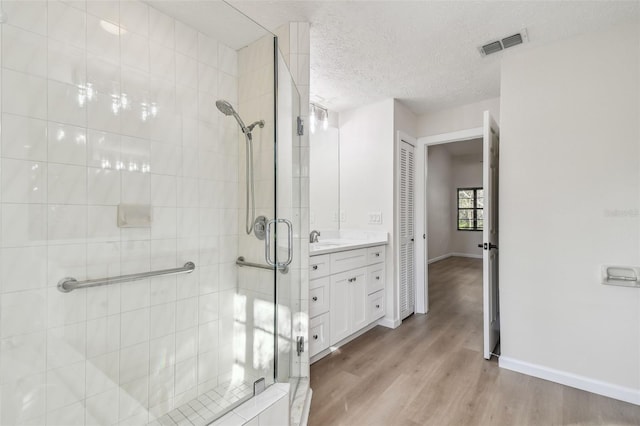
x=94 y=116
x=255 y=313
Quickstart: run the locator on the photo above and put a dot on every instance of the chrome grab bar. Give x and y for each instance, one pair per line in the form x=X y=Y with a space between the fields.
x=69 y=284
x=241 y=262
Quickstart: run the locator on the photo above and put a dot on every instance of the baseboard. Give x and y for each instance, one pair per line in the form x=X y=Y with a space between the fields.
x=435 y=259
x=448 y=255
x=389 y=323
x=573 y=380
x=473 y=256
x=337 y=345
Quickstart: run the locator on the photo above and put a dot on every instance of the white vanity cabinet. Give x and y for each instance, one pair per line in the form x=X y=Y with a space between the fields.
x=346 y=294
x=348 y=303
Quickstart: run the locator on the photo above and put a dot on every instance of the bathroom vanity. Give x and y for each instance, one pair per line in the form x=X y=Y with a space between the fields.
x=346 y=290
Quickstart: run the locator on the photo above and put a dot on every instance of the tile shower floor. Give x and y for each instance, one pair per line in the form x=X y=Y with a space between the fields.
x=208 y=406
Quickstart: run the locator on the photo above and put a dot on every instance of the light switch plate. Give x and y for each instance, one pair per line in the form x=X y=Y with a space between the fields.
x=375 y=218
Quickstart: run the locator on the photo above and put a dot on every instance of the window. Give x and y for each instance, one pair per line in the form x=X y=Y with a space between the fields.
x=470 y=213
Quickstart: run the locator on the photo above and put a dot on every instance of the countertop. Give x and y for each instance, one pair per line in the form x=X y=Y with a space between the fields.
x=334 y=245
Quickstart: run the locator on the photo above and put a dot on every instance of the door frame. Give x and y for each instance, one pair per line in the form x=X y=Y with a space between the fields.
x=422 y=282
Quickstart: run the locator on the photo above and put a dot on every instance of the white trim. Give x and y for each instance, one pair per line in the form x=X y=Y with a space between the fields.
x=448 y=255
x=333 y=348
x=473 y=256
x=573 y=380
x=385 y=322
x=443 y=257
x=422 y=286
x=461 y=135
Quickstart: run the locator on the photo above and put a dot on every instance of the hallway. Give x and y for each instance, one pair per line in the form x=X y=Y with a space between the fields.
x=430 y=371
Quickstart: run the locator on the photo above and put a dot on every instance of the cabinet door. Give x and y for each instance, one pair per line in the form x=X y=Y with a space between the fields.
x=358 y=299
x=340 y=311
x=319 y=296
x=318 y=334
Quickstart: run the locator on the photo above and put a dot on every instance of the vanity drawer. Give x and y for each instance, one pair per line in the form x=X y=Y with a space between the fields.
x=375 y=306
x=318 y=334
x=375 y=278
x=319 y=266
x=346 y=260
x=319 y=297
x=375 y=255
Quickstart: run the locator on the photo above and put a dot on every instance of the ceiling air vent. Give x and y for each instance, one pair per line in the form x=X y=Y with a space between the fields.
x=505 y=43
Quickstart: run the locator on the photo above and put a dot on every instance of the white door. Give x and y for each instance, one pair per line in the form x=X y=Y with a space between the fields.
x=490 y=172
x=407 y=237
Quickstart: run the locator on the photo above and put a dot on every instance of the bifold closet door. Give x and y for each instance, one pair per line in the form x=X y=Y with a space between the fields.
x=407 y=240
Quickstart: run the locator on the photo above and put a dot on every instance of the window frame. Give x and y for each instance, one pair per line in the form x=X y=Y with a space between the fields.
x=475 y=209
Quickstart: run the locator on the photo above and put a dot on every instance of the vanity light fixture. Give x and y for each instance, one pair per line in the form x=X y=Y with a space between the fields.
x=316 y=114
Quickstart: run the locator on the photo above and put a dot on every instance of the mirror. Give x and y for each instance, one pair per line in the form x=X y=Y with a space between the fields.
x=324 y=177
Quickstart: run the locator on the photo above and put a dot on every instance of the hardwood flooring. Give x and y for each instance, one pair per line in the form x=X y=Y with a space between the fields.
x=430 y=371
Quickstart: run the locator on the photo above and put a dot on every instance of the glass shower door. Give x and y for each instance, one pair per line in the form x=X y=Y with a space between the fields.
x=290 y=324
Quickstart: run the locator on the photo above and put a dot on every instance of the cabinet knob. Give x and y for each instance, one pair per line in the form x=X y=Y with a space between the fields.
x=351 y=279
x=314 y=267
x=315 y=298
x=315 y=337
x=378 y=277
x=377 y=306
x=377 y=254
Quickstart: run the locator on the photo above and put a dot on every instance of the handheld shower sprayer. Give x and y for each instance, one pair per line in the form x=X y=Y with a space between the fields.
x=227 y=109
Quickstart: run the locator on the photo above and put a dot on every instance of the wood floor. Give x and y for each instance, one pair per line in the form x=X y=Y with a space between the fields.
x=430 y=371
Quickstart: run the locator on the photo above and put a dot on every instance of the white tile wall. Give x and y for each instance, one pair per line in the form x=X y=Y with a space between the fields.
x=91 y=119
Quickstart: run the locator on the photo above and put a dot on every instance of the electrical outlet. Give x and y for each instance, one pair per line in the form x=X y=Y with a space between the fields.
x=375 y=218
x=335 y=217
x=343 y=216
x=312 y=218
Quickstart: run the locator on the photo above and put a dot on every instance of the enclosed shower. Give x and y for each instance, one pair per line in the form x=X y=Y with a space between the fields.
x=130 y=189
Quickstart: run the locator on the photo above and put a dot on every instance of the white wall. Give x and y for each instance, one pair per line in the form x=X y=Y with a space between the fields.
x=324 y=178
x=569 y=188
x=466 y=172
x=366 y=175
x=454 y=119
x=366 y=165
x=440 y=214
x=404 y=119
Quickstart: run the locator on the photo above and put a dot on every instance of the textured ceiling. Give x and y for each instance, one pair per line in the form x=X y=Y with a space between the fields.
x=421 y=52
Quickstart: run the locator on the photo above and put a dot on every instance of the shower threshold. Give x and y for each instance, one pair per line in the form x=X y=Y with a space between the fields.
x=207 y=407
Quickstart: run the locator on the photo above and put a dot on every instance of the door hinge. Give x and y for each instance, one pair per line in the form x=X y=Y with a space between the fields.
x=300 y=344
x=259 y=386
x=300 y=126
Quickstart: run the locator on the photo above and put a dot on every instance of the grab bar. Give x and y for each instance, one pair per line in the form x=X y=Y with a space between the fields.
x=69 y=284
x=241 y=262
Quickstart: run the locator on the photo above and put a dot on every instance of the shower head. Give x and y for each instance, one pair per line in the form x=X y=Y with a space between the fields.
x=226 y=108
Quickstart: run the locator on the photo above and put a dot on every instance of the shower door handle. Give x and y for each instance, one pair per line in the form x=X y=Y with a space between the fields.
x=267 y=244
